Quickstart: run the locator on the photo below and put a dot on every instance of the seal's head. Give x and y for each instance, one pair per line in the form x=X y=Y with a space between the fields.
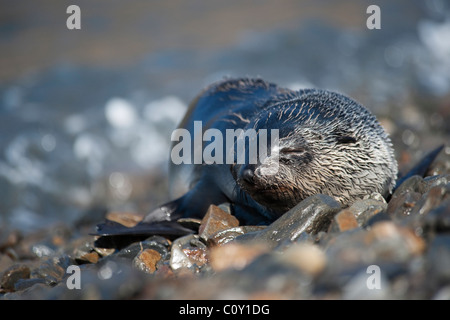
x=327 y=144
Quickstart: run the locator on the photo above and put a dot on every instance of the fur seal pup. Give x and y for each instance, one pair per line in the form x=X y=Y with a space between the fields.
x=328 y=143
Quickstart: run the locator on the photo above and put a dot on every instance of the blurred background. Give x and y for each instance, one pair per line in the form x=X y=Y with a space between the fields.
x=86 y=115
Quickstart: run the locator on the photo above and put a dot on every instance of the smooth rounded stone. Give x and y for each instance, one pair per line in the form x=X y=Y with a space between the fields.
x=188 y=253
x=52 y=270
x=216 y=220
x=429 y=200
x=379 y=217
x=384 y=242
x=343 y=221
x=23 y=284
x=309 y=258
x=128 y=219
x=91 y=257
x=418 y=217
x=363 y=210
x=401 y=205
x=412 y=184
x=312 y=215
x=438 y=260
x=82 y=250
x=438 y=219
x=375 y=196
x=224 y=236
x=157 y=243
x=12 y=275
x=235 y=255
x=410 y=192
x=146 y=260
x=104 y=252
x=440 y=165
x=433 y=181
x=109 y=279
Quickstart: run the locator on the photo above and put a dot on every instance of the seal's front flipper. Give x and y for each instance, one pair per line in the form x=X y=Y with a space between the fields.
x=169 y=228
x=161 y=221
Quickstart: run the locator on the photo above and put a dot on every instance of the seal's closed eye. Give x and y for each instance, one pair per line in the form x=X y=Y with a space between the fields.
x=292 y=150
x=346 y=140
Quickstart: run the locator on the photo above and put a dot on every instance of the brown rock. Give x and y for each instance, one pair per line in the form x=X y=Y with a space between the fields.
x=235 y=255
x=345 y=220
x=216 y=220
x=188 y=253
x=147 y=260
x=309 y=258
x=91 y=257
x=128 y=219
x=196 y=255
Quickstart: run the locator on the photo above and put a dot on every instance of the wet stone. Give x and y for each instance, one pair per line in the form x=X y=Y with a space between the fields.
x=401 y=205
x=12 y=275
x=433 y=181
x=438 y=219
x=146 y=260
x=431 y=199
x=82 y=249
x=103 y=252
x=343 y=221
x=412 y=184
x=379 y=217
x=188 y=254
x=224 y=236
x=216 y=220
x=157 y=243
x=23 y=284
x=441 y=165
x=312 y=215
x=52 y=270
x=438 y=260
x=365 y=209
